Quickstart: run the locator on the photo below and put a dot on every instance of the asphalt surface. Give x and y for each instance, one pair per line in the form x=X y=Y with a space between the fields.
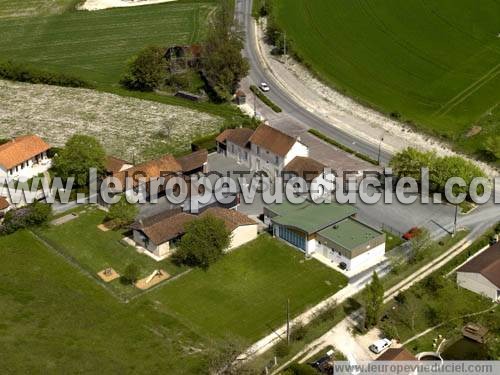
x=289 y=106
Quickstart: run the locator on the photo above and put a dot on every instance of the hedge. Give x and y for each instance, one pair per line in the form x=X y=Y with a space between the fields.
x=341 y=146
x=23 y=73
x=265 y=99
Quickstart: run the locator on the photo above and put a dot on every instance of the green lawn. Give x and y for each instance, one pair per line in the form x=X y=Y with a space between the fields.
x=95 y=250
x=56 y=320
x=437 y=63
x=245 y=293
x=392 y=240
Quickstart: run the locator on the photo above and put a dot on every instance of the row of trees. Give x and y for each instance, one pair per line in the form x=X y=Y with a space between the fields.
x=409 y=163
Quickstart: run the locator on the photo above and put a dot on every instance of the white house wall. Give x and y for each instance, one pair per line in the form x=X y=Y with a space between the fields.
x=477 y=283
x=242 y=235
x=30 y=169
x=298 y=149
x=370 y=256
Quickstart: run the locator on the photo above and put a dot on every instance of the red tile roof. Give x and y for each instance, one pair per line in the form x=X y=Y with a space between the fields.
x=487 y=264
x=232 y=218
x=193 y=161
x=304 y=167
x=115 y=165
x=396 y=354
x=273 y=140
x=3 y=203
x=21 y=149
x=150 y=170
x=239 y=136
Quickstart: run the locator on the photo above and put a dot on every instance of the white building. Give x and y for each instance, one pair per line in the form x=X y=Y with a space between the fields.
x=23 y=158
x=265 y=149
x=481 y=274
x=328 y=231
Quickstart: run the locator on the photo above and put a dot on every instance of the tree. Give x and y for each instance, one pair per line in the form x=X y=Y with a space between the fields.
x=79 y=155
x=204 y=242
x=131 y=273
x=419 y=243
x=374 y=301
x=122 y=213
x=222 y=61
x=409 y=162
x=147 y=71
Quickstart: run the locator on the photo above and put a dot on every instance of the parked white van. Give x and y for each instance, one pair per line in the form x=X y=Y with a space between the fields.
x=380 y=345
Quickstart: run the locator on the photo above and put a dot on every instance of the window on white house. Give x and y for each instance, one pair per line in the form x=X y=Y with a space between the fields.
x=258 y=150
x=277 y=159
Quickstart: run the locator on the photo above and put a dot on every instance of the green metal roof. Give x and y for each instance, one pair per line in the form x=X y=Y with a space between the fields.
x=310 y=217
x=349 y=233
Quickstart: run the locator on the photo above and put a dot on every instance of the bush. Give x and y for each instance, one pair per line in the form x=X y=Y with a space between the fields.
x=131 y=273
x=24 y=73
x=299 y=332
x=282 y=349
x=207 y=142
x=300 y=369
x=122 y=213
x=265 y=99
x=32 y=215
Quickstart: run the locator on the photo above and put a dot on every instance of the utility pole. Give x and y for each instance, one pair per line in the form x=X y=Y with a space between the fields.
x=284 y=44
x=455 y=224
x=380 y=149
x=288 y=321
x=254 y=105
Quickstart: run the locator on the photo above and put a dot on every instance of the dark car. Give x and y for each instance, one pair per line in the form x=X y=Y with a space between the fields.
x=342 y=266
x=323 y=365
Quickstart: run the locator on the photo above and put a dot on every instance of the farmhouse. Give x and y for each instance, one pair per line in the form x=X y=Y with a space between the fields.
x=481 y=274
x=327 y=231
x=24 y=157
x=159 y=234
x=115 y=165
x=265 y=149
x=145 y=173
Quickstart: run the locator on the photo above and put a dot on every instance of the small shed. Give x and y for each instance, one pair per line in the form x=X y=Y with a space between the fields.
x=241 y=97
x=475 y=332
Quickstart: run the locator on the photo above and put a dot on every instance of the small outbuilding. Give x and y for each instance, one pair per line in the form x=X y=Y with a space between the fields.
x=481 y=274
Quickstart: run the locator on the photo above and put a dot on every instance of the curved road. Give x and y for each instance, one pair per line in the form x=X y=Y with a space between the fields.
x=290 y=107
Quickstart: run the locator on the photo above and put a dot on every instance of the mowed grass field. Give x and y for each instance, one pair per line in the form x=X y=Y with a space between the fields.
x=96 y=45
x=437 y=63
x=245 y=293
x=57 y=320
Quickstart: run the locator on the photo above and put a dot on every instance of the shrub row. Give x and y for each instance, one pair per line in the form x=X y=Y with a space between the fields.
x=342 y=147
x=24 y=73
x=265 y=99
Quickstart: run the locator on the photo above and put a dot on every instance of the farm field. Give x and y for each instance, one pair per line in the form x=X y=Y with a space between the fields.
x=56 y=320
x=245 y=293
x=127 y=127
x=434 y=63
x=97 y=45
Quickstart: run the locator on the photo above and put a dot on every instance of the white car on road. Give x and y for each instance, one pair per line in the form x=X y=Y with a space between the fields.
x=264 y=87
x=380 y=345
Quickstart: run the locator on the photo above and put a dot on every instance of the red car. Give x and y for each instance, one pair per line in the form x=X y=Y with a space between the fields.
x=413 y=232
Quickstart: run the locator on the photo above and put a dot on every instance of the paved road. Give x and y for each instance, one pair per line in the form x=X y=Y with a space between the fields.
x=290 y=107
